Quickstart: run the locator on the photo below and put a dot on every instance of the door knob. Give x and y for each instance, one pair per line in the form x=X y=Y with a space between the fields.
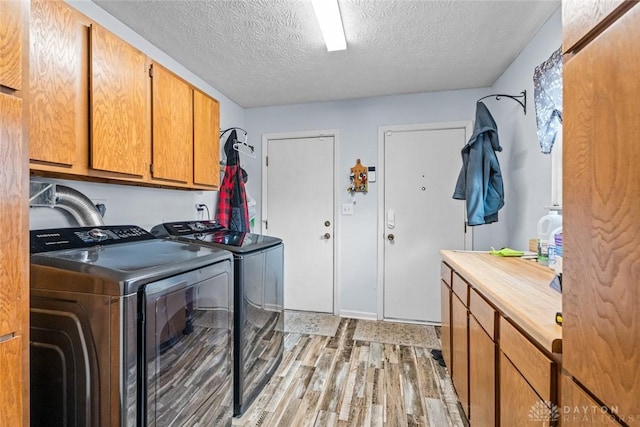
x=391 y=237
x=327 y=235
x=327 y=223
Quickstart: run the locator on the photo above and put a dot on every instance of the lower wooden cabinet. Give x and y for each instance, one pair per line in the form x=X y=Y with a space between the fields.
x=460 y=351
x=445 y=327
x=482 y=376
x=11 y=378
x=579 y=409
x=503 y=376
x=519 y=404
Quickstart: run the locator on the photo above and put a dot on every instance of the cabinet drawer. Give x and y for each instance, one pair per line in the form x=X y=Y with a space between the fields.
x=460 y=288
x=537 y=368
x=445 y=273
x=483 y=312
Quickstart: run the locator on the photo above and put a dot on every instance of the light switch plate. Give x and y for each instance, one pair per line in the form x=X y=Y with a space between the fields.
x=347 y=209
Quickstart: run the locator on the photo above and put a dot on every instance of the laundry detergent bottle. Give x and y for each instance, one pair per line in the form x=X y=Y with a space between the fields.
x=546 y=225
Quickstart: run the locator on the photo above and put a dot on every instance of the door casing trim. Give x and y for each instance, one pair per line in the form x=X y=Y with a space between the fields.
x=335 y=133
x=382 y=130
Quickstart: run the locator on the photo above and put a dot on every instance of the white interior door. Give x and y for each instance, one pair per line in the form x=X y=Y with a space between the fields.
x=421 y=167
x=299 y=208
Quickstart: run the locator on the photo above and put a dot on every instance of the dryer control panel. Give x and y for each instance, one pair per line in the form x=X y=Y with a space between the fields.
x=184 y=228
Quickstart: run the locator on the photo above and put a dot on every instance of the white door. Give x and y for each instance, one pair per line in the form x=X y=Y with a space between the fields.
x=421 y=167
x=299 y=209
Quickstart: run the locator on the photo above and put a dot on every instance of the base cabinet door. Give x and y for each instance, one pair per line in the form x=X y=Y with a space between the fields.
x=579 y=409
x=445 y=328
x=520 y=405
x=460 y=345
x=11 y=382
x=482 y=376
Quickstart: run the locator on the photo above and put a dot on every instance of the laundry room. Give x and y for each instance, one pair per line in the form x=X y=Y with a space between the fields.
x=218 y=217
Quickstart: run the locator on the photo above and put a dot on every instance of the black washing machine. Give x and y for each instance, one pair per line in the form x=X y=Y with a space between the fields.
x=258 y=300
x=128 y=329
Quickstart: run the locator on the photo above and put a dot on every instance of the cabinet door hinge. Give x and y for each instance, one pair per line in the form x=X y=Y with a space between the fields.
x=151 y=70
x=151 y=168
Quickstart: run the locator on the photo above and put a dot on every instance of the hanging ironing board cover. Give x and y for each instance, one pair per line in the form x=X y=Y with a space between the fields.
x=547 y=81
x=233 y=212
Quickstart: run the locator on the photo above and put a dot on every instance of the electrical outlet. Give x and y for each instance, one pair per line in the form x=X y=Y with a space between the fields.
x=347 y=209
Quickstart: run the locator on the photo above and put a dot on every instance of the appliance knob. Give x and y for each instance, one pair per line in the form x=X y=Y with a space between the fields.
x=98 y=235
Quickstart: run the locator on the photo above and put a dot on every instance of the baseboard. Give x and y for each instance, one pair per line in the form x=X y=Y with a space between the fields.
x=362 y=315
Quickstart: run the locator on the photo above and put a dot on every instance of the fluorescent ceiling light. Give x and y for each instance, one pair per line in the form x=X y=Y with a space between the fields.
x=328 y=15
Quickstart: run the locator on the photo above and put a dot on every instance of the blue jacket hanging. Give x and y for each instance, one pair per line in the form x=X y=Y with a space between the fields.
x=480 y=180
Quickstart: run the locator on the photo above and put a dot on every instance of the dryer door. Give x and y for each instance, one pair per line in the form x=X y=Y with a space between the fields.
x=186 y=335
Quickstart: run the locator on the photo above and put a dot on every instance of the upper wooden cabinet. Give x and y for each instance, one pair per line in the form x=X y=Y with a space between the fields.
x=206 y=140
x=12 y=241
x=119 y=105
x=582 y=18
x=172 y=117
x=100 y=112
x=11 y=42
x=601 y=328
x=58 y=108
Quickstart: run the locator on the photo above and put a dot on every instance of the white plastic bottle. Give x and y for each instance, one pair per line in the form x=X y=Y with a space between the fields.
x=552 y=246
x=546 y=225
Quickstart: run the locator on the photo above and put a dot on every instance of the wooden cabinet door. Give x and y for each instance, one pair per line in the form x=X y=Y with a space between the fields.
x=519 y=403
x=11 y=382
x=206 y=140
x=120 y=125
x=58 y=104
x=445 y=328
x=460 y=349
x=601 y=294
x=13 y=217
x=172 y=118
x=11 y=40
x=578 y=409
x=482 y=376
x=580 y=17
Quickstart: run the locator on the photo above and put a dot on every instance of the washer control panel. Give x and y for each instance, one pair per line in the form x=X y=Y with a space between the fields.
x=55 y=239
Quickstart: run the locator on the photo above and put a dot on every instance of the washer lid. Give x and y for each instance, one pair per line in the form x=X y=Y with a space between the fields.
x=130 y=265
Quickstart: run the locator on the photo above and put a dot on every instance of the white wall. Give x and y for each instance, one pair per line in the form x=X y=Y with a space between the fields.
x=357 y=122
x=527 y=173
x=139 y=205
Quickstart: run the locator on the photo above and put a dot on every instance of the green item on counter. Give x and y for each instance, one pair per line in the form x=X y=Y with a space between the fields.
x=506 y=252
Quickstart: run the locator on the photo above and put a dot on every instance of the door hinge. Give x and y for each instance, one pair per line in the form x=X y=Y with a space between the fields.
x=266 y=224
x=266 y=160
x=465 y=227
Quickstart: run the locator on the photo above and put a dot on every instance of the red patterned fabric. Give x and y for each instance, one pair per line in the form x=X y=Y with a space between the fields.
x=233 y=212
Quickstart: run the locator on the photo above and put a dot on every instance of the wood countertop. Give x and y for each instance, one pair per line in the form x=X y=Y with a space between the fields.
x=518 y=288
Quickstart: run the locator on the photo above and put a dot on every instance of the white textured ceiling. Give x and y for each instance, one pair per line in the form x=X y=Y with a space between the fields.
x=271 y=52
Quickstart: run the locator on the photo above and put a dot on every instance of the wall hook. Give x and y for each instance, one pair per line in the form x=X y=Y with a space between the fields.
x=522 y=95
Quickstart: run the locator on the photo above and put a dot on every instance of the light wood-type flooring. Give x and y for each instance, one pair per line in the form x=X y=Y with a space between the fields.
x=339 y=381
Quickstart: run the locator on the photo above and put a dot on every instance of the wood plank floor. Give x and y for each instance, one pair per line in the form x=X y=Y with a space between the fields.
x=337 y=381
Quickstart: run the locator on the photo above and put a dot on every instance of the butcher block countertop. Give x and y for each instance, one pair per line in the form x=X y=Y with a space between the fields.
x=518 y=288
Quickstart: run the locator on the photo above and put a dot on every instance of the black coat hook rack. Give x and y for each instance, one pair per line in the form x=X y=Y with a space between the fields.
x=522 y=95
